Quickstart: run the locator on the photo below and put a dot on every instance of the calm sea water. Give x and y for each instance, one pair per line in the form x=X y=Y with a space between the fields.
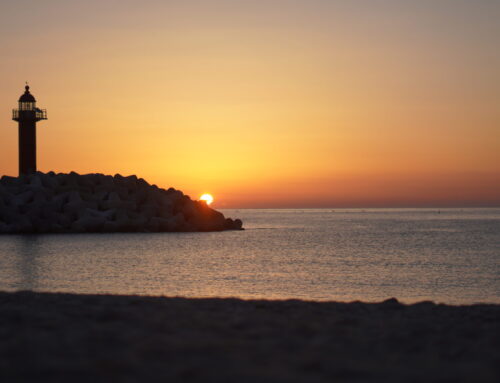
x=451 y=256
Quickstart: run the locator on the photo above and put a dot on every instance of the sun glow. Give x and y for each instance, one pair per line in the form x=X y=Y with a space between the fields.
x=207 y=198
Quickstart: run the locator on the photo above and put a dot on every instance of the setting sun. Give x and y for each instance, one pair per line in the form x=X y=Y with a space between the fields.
x=207 y=198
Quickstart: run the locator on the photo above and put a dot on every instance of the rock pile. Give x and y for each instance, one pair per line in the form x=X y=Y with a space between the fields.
x=73 y=203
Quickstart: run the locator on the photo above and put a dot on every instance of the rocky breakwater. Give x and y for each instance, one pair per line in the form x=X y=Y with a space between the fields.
x=73 y=203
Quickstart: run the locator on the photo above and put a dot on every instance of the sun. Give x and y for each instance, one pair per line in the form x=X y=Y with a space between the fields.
x=207 y=198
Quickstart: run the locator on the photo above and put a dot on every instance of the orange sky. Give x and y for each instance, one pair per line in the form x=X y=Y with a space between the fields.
x=264 y=103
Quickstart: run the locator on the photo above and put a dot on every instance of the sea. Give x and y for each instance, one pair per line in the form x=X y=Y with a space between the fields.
x=447 y=256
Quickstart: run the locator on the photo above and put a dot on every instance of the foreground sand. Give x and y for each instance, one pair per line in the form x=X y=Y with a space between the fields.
x=96 y=338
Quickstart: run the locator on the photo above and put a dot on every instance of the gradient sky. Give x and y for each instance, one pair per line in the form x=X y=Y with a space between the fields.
x=275 y=103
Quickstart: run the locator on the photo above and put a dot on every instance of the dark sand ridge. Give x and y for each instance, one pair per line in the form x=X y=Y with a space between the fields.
x=50 y=337
x=74 y=203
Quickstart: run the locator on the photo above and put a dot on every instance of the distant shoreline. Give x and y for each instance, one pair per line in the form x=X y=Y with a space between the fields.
x=376 y=208
x=75 y=337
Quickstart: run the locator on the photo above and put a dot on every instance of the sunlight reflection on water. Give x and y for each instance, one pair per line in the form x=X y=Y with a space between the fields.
x=368 y=255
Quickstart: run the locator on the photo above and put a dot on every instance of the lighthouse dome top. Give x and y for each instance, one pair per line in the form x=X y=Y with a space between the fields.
x=27 y=96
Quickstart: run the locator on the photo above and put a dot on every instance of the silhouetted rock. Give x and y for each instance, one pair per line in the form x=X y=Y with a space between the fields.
x=73 y=203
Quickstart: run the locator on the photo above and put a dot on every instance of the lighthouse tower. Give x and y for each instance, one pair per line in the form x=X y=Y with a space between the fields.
x=27 y=115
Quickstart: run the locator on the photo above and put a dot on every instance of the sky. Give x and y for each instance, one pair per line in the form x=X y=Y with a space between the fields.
x=275 y=103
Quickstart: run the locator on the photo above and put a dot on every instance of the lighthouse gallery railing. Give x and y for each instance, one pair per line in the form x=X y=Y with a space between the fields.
x=39 y=114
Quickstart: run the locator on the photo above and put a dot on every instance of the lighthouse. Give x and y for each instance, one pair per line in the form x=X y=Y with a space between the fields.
x=27 y=116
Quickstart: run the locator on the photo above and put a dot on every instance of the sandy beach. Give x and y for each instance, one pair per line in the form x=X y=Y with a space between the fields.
x=51 y=337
